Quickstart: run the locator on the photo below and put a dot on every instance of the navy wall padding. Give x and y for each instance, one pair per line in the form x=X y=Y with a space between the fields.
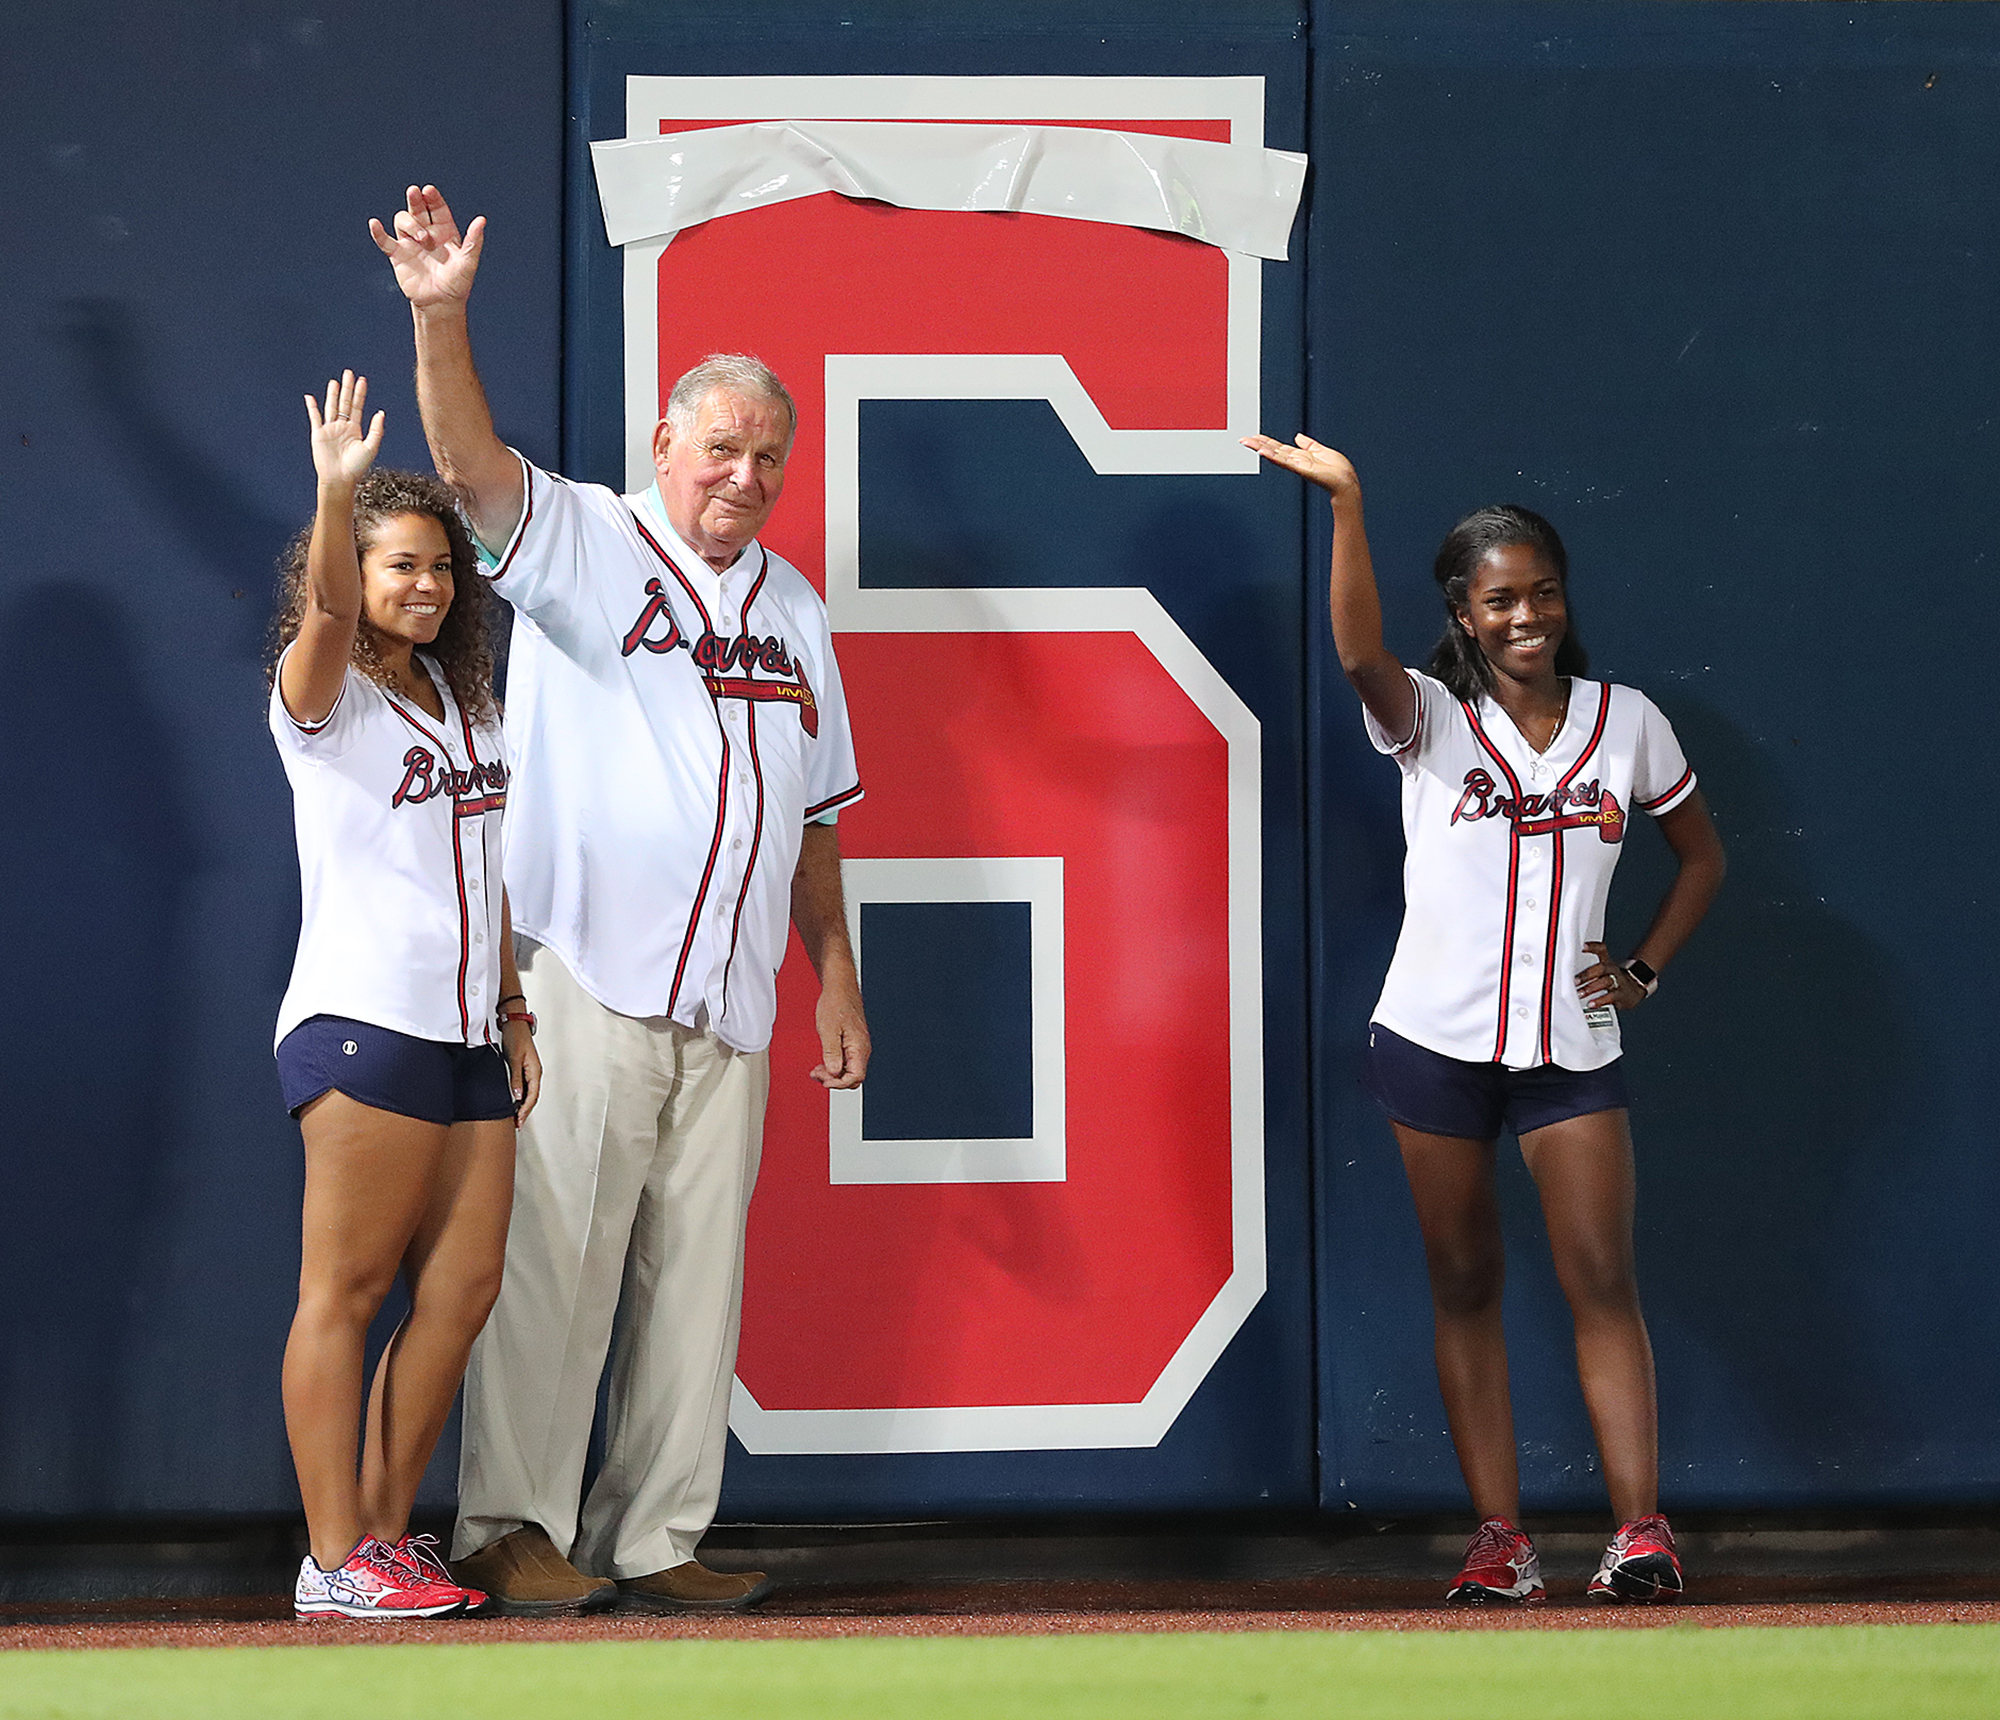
x=187 y=253
x=951 y=1018
x=1714 y=287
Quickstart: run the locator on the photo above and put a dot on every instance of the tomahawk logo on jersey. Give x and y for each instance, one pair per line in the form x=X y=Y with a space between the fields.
x=1539 y=814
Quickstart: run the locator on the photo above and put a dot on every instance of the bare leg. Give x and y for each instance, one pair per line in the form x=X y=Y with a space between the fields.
x=452 y=1267
x=1451 y=1180
x=368 y=1177
x=1583 y=1168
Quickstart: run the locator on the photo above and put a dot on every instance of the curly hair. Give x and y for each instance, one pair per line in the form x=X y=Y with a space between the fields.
x=463 y=648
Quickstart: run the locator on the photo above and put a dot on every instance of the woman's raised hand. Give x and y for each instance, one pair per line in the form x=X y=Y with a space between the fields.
x=434 y=262
x=341 y=451
x=1313 y=461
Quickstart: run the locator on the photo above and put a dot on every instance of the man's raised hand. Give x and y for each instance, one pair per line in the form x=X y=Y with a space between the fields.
x=342 y=453
x=434 y=262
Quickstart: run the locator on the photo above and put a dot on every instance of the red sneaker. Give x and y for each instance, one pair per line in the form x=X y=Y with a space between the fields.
x=372 y=1584
x=1500 y=1569
x=418 y=1554
x=1639 y=1565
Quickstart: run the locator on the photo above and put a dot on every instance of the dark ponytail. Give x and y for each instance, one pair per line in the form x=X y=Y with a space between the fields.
x=1456 y=660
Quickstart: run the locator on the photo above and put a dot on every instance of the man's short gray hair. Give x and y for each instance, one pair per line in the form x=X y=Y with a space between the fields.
x=737 y=372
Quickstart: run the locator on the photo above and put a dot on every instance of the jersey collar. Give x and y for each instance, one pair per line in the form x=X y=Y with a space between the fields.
x=1578 y=723
x=751 y=562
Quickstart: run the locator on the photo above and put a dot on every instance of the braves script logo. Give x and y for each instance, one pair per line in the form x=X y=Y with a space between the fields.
x=424 y=777
x=716 y=655
x=656 y=608
x=1544 y=814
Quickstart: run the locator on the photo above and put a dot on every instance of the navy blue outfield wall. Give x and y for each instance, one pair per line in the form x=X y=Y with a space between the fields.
x=1712 y=285
x=186 y=253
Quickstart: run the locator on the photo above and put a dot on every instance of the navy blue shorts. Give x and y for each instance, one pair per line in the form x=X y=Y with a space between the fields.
x=421 y=1078
x=1424 y=1089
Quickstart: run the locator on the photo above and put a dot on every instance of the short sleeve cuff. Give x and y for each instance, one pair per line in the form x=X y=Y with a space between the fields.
x=1664 y=803
x=494 y=565
x=1384 y=742
x=304 y=730
x=828 y=811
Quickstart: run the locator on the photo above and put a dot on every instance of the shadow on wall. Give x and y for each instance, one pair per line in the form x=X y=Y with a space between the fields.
x=96 y=861
x=233 y=535
x=1765 y=1107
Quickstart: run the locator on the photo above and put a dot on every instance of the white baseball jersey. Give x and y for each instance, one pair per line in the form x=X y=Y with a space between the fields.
x=398 y=818
x=1510 y=860
x=672 y=731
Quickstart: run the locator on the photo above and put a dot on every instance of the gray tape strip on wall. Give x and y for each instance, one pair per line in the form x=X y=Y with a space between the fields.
x=1233 y=196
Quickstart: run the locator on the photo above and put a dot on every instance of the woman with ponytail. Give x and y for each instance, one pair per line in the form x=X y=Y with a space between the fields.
x=1501 y=1007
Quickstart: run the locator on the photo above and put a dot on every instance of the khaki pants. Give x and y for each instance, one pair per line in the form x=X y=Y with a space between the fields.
x=632 y=1187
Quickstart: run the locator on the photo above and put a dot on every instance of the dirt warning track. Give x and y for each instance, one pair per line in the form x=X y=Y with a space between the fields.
x=241 y=1632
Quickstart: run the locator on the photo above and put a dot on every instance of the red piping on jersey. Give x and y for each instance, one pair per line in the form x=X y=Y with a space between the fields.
x=1687 y=776
x=722 y=789
x=1549 y=954
x=757 y=770
x=707 y=871
x=674 y=567
x=744 y=618
x=320 y=726
x=465 y=726
x=756 y=847
x=722 y=797
x=1513 y=875
x=1417 y=724
x=1556 y=880
x=457 y=868
x=520 y=531
x=464 y=933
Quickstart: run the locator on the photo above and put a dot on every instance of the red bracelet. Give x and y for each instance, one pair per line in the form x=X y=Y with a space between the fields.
x=520 y=1015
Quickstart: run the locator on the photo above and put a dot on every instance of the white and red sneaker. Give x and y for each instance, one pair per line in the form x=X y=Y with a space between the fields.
x=373 y=1584
x=1500 y=1569
x=419 y=1554
x=1639 y=1565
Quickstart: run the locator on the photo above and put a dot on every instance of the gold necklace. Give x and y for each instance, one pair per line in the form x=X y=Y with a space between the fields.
x=1562 y=716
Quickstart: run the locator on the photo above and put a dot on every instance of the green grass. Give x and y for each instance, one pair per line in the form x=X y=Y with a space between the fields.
x=1825 y=1673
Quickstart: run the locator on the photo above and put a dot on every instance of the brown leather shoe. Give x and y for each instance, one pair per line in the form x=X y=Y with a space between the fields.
x=693 y=1587
x=528 y=1578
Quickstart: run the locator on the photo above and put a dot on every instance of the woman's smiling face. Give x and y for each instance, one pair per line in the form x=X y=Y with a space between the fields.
x=1516 y=612
x=406 y=583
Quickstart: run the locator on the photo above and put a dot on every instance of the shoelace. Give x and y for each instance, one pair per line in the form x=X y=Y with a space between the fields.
x=1649 y=1528
x=419 y=1554
x=1492 y=1537
x=386 y=1561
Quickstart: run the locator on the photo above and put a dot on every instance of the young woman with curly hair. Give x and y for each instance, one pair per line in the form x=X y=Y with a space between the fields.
x=1501 y=1006
x=403 y=1042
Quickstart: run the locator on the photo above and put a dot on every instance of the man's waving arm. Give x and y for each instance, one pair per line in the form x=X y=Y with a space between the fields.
x=435 y=265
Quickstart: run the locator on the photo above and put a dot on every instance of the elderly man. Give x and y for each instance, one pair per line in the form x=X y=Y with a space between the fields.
x=679 y=745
